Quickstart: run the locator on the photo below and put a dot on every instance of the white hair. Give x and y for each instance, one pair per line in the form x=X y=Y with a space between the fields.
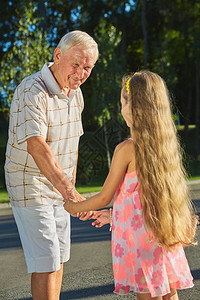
x=77 y=37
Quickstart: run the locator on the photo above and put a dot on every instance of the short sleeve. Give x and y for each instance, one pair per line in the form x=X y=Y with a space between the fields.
x=80 y=100
x=31 y=116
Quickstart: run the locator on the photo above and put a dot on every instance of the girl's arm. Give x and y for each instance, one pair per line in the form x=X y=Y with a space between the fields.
x=123 y=155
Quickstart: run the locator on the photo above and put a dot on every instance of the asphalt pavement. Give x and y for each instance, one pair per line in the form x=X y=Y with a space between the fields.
x=88 y=274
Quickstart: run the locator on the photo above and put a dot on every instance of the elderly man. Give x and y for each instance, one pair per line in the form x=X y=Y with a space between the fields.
x=41 y=157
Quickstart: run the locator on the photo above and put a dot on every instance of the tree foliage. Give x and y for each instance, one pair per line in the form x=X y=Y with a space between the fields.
x=160 y=35
x=27 y=55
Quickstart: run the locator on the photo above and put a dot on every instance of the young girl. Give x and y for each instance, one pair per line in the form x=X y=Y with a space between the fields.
x=152 y=215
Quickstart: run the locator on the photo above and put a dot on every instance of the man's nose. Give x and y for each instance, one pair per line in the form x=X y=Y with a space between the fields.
x=80 y=73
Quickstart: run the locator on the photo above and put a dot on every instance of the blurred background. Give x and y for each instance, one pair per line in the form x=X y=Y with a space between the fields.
x=159 y=35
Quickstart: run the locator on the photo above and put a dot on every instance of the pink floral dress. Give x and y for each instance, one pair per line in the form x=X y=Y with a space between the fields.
x=140 y=265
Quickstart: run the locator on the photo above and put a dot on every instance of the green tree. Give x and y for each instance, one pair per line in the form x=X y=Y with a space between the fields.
x=28 y=54
x=108 y=73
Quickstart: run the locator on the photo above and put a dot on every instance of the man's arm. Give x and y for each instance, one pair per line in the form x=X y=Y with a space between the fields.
x=50 y=167
x=75 y=170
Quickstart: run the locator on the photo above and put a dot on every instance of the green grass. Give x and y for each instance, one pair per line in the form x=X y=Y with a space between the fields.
x=4 y=196
x=88 y=189
x=194 y=178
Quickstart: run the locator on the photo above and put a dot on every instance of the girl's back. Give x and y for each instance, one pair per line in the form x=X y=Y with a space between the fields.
x=139 y=264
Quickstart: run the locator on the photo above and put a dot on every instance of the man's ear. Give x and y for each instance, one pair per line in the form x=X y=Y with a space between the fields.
x=57 y=55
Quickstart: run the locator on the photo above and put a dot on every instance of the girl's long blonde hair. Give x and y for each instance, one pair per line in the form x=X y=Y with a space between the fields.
x=167 y=209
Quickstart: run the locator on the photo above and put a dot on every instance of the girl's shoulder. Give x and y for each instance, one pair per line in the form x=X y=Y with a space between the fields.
x=125 y=152
x=126 y=147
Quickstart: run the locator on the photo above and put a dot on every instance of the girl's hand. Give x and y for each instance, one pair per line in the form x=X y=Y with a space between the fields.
x=69 y=203
x=84 y=216
x=102 y=217
x=68 y=206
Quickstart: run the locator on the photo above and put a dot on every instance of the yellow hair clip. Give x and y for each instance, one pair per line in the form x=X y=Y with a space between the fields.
x=127 y=86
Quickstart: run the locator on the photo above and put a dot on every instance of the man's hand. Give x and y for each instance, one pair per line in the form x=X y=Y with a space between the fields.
x=83 y=216
x=69 y=200
x=78 y=197
x=102 y=217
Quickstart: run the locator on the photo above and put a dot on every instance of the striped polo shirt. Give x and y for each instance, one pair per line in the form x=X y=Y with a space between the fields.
x=40 y=108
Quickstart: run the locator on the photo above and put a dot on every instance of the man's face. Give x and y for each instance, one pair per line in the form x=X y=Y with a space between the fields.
x=74 y=67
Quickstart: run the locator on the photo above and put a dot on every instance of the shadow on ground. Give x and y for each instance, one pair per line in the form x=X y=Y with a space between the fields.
x=82 y=232
x=91 y=292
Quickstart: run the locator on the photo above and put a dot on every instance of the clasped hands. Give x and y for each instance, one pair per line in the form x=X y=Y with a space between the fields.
x=101 y=217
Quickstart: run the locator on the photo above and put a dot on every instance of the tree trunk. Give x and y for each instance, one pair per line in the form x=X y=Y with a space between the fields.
x=106 y=135
x=27 y=55
x=106 y=143
x=123 y=43
x=123 y=49
x=42 y=15
x=144 y=30
x=196 y=151
x=189 y=106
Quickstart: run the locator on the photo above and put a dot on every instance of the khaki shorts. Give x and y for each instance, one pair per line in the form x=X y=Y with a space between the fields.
x=45 y=236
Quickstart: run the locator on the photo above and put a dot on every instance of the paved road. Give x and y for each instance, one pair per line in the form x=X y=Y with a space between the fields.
x=88 y=274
